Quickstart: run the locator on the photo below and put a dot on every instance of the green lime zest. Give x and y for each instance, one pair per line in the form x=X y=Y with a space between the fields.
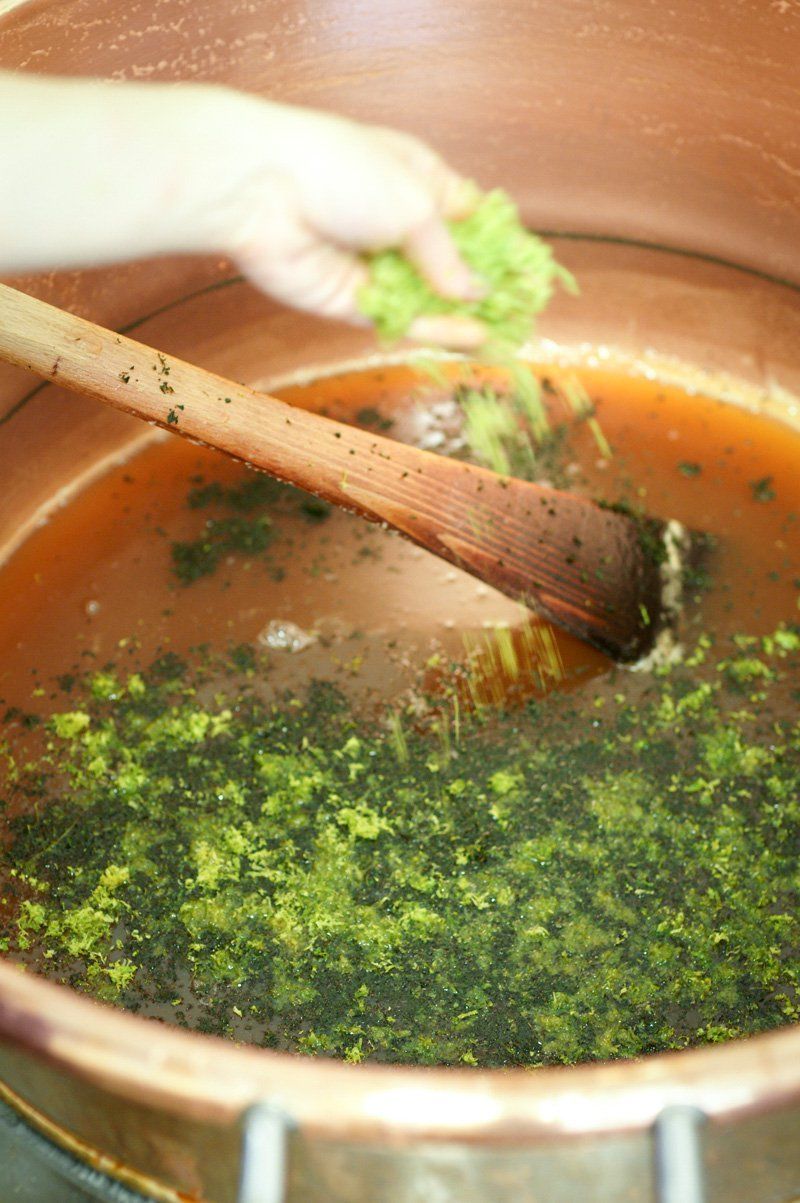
x=517 y=267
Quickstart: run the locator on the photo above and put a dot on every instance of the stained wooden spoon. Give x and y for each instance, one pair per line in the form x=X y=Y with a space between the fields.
x=589 y=570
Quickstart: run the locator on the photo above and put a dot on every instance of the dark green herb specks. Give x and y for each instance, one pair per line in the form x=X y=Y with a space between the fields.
x=221 y=536
x=762 y=489
x=539 y=890
x=251 y=529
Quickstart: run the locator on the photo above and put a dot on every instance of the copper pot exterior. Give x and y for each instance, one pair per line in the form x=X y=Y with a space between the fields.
x=663 y=143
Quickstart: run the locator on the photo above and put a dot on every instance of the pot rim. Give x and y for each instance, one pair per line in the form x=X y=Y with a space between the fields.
x=214 y=1081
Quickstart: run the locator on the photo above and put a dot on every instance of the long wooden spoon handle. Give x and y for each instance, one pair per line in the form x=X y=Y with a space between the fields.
x=308 y=449
x=582 y=566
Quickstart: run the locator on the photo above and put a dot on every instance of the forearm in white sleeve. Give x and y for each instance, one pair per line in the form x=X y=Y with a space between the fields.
x=92 y=172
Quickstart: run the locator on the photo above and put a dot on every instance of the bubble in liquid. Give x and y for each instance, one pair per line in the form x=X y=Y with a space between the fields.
x=281 y=635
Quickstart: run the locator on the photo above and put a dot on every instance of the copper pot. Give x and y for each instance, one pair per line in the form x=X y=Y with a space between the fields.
x=660 y=145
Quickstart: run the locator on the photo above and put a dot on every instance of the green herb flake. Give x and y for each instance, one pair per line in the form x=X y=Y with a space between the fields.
x=762 y=489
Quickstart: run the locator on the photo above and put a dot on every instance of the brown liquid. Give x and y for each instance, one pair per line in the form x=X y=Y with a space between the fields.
x=94 y=584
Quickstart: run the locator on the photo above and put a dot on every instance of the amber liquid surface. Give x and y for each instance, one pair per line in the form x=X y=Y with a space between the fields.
x=96 y=586
x=95 y=581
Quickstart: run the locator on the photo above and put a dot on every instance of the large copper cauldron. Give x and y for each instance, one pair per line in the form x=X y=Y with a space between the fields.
x=660 y=145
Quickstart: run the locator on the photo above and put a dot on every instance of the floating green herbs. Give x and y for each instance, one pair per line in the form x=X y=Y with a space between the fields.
x=528 y=892
x=250 y=530
x=501 y=432
x=518 y=269
x=511 y=431
x=221 y=536
x=762 y=489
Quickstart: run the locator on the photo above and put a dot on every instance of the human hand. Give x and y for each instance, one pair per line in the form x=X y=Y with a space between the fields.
x=322 y=190
x=97 y=173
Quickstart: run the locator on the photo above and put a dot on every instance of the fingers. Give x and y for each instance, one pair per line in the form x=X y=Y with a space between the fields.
x=454 y=333
x=431 y=249
x=340 y=190
x=321 y=280
x=302 y=269
x=453 y=196
x=429 y=245
x=308 y=273
x=459 y=198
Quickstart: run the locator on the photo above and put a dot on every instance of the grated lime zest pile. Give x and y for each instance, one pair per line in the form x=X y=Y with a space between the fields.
x=282 y=872
x=518 y=267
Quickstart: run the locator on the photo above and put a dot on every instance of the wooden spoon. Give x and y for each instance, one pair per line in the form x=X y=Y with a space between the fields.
x=589 y=570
